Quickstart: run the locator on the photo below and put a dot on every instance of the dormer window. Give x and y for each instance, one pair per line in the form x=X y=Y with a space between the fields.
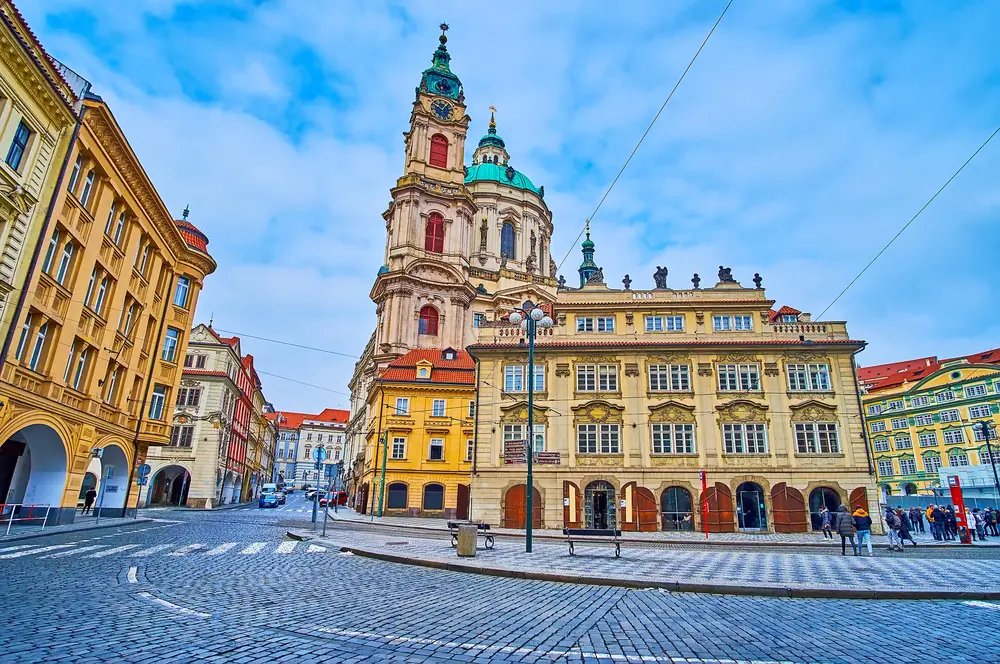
x=449 y=354
x=789 y=318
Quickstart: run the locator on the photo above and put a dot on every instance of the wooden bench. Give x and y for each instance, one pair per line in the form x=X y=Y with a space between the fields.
x=482 y=528
x=593 y=535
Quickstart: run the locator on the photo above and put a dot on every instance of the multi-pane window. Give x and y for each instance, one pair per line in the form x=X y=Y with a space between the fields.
x=664 y=323
x=923 y=400
x=74 y=176
x=885 y=468
x=19 y=146
x=881 y=444
x=437 y=408
x=597 y=438
x=472 y=409
x=102 y=294
x=181 y=436
x=927 y=439
x=808 y=376
x=672 y=438
x=977 y=432
x=987 y=458
x=739 y=377
x=744 y=438
x=980 y=411
x=739 y=323
x=515 y=378
x=605 y=324
x=156 y=402
x=953 y=436
x=607 y=377
x=907 y=466
x=398 y=448
x=902 y=442
x=584 y=324
x=669 y=377
x=109 y=224
x=39 y=347
x=181 y=292
x=597 y=377
x=199 y=362
x=65 y=261
x=932 y=462
x=119 y=227
x=895 y=404
x=942 y=397
x=923 y=420
x=402 y=405
x=469 y=449
x=515 y=432
x=88 y=188
x=958 y=458
x=436 y=452
x=899 y=423
x=170 y=343
x=975 y=391
x=817 y=438
x=950 y=415
x=81 y=368
x=188 y=396
x=878 y=426
x=478 y=320
x=875 y=409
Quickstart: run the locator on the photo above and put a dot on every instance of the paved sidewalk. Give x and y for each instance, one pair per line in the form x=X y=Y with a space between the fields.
x=675 y=537
x=682 y=570
x=30 y=532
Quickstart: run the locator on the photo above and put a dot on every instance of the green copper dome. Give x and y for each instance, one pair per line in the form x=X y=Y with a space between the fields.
x=502 y=175
x=438 y=79
x=491 y=137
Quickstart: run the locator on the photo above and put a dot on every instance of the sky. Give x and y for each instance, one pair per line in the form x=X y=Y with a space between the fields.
x=804 y=137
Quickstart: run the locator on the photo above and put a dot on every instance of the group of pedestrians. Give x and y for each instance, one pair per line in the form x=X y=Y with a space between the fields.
x=848 y=525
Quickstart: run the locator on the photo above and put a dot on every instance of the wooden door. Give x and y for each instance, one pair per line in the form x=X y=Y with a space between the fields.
x=789 y=508
x=720 y=509
x=571 y=505
x=645 y=509
x=515 y=506
x=462 y=508
x=859 y=499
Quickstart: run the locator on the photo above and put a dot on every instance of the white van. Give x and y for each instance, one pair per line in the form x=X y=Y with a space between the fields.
x=269 y=488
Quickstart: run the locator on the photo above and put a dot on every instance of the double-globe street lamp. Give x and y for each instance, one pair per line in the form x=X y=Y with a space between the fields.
x=530 y=318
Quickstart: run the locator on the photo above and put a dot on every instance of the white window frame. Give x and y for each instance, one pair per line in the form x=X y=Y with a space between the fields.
x=936 y=464
x=586 y=439
x=927 y=439
x=435 y=443
x=157 y=401
x=607 y=377
x=739 y=377
x=920 y=401
x=908 y=466
x=944 y=397
x=902 y=442
x=586 y=378
x=923 y=420
x=470 y=449
x=654 y=323
x=961 y=456
x=585 y=324
x=472 y=409
x=877 y=427
x=817 y=438
x=885 y=468
x=672 y=438
x=950 y=415
x=39 y=347
x=398 y=449
x=895 y=404
x=438 y=407
x=980 y=411
x=737 y=441
x=899 y=423
x=972 y=391
x=402 y=405
x=881 y=445
x=605 y=323
x=954 y=437
x=977 y=434
x=875 y=409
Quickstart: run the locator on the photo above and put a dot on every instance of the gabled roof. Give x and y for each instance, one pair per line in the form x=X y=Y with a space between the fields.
x=893 y=374
x=287 y=420
x=461 y=370
x=335 y=415
x=786 y=310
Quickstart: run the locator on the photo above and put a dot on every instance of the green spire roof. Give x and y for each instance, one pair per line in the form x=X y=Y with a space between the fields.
x=588 y=266
x=439 y=79
x=491 y=137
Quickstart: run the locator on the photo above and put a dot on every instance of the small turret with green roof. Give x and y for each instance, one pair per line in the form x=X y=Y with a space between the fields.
x=490 y=163
x=438 y=79
x=588 y=267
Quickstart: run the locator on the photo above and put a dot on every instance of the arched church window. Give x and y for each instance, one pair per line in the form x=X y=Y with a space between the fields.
x=439 y=151
x=428 y=321
x=507 y=240
x=434 y=235
x=494 y=159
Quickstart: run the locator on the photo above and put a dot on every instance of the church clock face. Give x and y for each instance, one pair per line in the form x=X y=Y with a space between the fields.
x=442 y=109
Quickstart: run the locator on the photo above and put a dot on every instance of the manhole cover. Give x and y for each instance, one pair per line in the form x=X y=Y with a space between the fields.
x=395 y=543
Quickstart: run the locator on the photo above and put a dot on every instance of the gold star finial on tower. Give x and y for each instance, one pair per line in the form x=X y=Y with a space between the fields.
x=493 y=122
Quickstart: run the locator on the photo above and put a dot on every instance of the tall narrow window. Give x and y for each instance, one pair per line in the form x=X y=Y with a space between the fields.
x=439 y=151
x=129 y=319
x=90 y=287
x=88 y=188
x=111 y=218
x=156 y=401
x=25 y=330
x=434 y=236
x=51 y=251
x=181 y=292
x=428 y=321
x=19 y=146
x=64 y=263
x=81 y=368
x=507 y=240
x=74 y=177
x=119 y=227
x=36 y=352
x=109 y=398
x=69 y=362
x=102 y=292
x=144 y=261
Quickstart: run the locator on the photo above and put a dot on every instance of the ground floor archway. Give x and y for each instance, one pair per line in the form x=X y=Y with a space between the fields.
x=515 y=507
x=789 y=509
x=33 y=467
x=89 y=482
x=169 y=486
x=228 y=485
x=909 y=489
x=113 y=481
x=675 y=509
x=751 y=510
x=599 y=505
x=820 y=497
x=638 y=512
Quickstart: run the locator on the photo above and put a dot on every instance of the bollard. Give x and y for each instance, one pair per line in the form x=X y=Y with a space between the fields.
x=467 y=533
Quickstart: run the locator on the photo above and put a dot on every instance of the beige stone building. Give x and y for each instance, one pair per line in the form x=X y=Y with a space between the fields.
x=637 y=391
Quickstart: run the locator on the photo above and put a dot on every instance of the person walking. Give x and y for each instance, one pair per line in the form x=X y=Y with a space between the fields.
x=88 y=499
x=826 y=521
x=936 y=518
x=951 y=523
x=991 y=521
x=978 y=521
x=863 y=523
x=894 y=524
x=904 y=531
x=844 y=525
x=917 y=519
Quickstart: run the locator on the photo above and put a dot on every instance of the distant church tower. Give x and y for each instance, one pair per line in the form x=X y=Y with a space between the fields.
x=588 y=267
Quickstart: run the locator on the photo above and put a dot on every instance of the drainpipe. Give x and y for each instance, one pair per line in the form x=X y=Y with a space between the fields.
x=861 y=412
x=42 y=235
x=475 y=435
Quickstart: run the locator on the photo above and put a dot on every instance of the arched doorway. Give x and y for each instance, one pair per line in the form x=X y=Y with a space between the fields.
x=89 y=482
x=433 y=497
x=237 y=490
x=397 y=497
x=822 y=496
x=719 y=501
x=33 y=470
x=599 y=505
x=909 y=489
x=228 y=483
x=169 y=486
x=788 y=508
x=114 y=481
x=675 y=509
x=639 y=513
x=751 y=510
x=361 y=502
x=515 y=507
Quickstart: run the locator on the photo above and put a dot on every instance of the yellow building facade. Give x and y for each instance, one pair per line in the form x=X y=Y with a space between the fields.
x=92 y=372
x=421 y=431
x=925 y=415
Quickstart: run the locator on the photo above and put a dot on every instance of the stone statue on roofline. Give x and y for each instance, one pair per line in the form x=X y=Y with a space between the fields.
x=660 y=277
x=757 y=280
x=628 y=282
x=696 y=280
x=726 y=275
x=597 y=277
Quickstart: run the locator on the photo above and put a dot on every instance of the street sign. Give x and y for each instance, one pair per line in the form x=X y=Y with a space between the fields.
x=515 y=451
x=548 y=458
x=319 y=454
x=144 y=470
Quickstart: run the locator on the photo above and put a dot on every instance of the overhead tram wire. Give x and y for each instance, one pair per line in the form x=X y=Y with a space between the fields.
x=907 y=224
x=287 y=343
x=645 y=133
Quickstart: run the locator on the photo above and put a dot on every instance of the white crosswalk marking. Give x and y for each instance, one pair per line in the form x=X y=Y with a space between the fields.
x=315 y=549
x=256 y=547
x=15 y=548
x=111 y=552
x=286 y=547
x=184 y=550
x=31 y=552
x=73 y=552
x=219 y=550
x=151 y=550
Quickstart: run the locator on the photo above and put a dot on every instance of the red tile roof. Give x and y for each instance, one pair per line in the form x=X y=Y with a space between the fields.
x=893 y=374
x=288 y=420
x=203 y=372
x=672 y=344
x=336 y=415
x=194 y=238
x=54 y=76
x=461 y=370
x=776 y=315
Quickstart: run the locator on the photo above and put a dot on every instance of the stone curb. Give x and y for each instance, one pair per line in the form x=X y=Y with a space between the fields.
x=53 y=531
x=685 y=587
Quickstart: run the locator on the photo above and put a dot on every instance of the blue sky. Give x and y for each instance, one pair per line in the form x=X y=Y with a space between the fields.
x=804 y=137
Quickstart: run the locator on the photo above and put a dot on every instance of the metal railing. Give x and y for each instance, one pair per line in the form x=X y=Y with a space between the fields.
x=9 y=510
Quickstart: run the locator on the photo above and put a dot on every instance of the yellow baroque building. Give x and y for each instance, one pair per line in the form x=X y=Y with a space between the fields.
x=423 y=407
x=923 y=418
x=93 y=363
x=637 y=391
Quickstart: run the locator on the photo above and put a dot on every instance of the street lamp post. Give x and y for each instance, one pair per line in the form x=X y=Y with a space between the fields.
x=530 y=318
x=989 y=448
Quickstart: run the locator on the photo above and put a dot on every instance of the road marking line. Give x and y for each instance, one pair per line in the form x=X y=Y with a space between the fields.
x=256 y=547
x=15 y=548
x=73 y=552
x=286 y=547
x=151 y=550
x=132 y=574
x=219 y=550
x=315 y=549
x=171 y=605
x=184 y=550
x=109 y=552
x=982 y=605
x=32 y=552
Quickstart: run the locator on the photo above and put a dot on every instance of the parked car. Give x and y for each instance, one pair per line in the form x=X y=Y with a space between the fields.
x=289 y=488
x=268 y=500
x=281 y=497
x=311 y=494
x=328 y=498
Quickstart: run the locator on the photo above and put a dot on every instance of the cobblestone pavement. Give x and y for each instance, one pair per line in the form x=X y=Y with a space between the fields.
x=265 y=600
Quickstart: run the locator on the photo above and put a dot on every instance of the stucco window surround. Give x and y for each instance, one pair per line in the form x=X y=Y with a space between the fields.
x=671 y=361
x=599 y=412
x=597 y=361
x=816 y=412
x=541 y=367
x=670 y=413
x=740 y=360
x=418 y=235
x=808 y=359
x=741 y=412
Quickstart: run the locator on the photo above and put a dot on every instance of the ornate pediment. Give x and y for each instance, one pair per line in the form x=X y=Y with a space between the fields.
x=672 y=411
x=813 y=411
x=598 y=411
x=668 y=358
x=737 y=358
x=742 y=410
x=437 y=274
x=518 y=412
x=803 y=357
x=596 y=359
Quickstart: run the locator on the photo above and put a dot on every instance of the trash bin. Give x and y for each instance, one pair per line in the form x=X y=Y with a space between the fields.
x=467 y=540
